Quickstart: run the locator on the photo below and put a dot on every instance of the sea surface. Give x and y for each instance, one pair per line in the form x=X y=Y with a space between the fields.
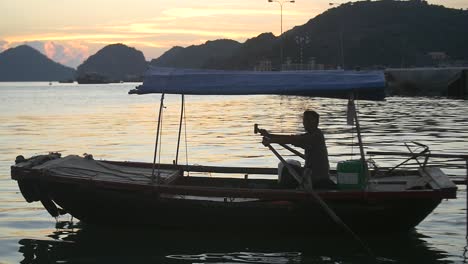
x=103 y=120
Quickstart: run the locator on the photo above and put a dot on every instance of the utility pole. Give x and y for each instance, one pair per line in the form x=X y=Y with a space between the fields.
x=281 y=27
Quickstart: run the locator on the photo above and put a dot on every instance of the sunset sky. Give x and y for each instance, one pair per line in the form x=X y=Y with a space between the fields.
x=68 y=31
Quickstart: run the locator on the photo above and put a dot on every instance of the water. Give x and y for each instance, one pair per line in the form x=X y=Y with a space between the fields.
x=103 y=120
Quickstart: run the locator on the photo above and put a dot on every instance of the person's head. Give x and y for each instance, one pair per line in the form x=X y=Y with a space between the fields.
x=310 y=120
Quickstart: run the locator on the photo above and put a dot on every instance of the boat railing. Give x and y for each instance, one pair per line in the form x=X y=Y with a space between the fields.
x=448 y=158
x=453 y=164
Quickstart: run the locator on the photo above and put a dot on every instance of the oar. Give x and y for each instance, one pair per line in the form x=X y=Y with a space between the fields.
x=320 y=201
x=296 y=176
x=292 y=150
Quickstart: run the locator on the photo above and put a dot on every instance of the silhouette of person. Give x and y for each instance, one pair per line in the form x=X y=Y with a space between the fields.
x=316 y=167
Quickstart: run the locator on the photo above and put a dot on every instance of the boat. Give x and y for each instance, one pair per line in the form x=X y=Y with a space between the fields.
x=67 y=81
x=366 y=198
x=92 y=78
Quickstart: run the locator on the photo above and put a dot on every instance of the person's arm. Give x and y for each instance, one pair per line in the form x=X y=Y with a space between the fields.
x=282 y=139
x=296 y=140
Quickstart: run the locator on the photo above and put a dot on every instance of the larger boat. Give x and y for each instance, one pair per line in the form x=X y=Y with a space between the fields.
x=365 y=199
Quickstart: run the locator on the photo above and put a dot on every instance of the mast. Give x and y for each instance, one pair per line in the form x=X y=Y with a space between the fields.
x=182 y=106
x=161 y=106
x=352 y=107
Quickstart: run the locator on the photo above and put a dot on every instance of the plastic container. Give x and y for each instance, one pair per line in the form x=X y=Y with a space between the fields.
x=350 y=175
x=285 y=178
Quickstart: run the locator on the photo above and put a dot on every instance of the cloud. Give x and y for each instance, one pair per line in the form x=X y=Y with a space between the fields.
x=3 y=45
x=176 y=13
x=69 y=37
x=67 y=53
x=70 y=53
x=155 y=29
x=38 y=45
x=175 y=26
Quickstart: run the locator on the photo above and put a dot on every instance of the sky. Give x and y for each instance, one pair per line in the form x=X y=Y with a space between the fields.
x=69 y=31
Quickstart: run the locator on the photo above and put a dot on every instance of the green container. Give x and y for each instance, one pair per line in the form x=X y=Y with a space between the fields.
x=350 y=175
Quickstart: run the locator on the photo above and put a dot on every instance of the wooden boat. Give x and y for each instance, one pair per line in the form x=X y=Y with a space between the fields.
x=123 y=193
x=116 y=192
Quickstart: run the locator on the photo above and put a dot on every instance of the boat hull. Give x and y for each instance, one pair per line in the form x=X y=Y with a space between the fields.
x=100 y=205
x=128 y=193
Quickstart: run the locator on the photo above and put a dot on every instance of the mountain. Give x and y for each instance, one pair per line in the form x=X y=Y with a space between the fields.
x=372 y=34
x=24 y=63
x=388 y=33
x=248 y=54
x=197 y=56
x=116 y=62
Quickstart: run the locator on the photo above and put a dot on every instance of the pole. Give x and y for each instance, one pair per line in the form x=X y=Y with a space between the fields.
x=341 y=37
x=281 y=26
x=342 y=50
x=466 y=198
x=180 y=128
x=161 y=106
x=281 y=36
x=358 y=130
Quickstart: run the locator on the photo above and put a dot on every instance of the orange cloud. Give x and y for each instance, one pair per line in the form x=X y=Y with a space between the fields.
x=4 y=45
x=176 y=26
x=65 y=37
x=68 y=53
x=49 y=49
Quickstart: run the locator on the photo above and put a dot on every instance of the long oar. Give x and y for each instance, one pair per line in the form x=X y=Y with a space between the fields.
x=320 y=201
x=292 y=150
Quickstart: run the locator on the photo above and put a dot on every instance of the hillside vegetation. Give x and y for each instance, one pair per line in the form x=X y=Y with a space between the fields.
x=363 y=34
x=116 y=62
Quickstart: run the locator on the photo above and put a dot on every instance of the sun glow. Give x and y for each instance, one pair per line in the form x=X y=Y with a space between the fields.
x=151 y=26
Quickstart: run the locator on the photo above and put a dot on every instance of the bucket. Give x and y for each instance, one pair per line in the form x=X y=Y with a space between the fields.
x=350 y=175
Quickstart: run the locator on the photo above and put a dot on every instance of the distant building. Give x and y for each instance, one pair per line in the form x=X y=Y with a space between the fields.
x=320 y=67
x=312 y=62
x=263 y=65
x=310 y=66
x=438 y=55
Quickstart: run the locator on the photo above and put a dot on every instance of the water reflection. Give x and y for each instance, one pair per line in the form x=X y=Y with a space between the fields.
x=242 y=257
x=104 y=121
x=73 y=243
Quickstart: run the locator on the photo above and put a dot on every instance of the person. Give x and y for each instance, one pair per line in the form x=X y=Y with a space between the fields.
x=316 y=167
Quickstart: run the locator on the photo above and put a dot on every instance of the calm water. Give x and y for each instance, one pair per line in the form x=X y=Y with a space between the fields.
x=103 y=120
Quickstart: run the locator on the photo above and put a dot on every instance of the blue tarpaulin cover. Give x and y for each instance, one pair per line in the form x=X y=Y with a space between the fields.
x=369 y=85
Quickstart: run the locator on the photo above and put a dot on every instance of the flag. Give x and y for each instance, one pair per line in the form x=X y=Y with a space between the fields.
x=350 y=112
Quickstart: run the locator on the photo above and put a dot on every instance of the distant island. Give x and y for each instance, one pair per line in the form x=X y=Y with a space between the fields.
x=113 y=63
x=365 y=34
x=24 y=64
x=197 y=56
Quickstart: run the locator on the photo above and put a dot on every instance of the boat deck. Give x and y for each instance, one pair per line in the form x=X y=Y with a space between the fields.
x=135 y=175
x=88 y=169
